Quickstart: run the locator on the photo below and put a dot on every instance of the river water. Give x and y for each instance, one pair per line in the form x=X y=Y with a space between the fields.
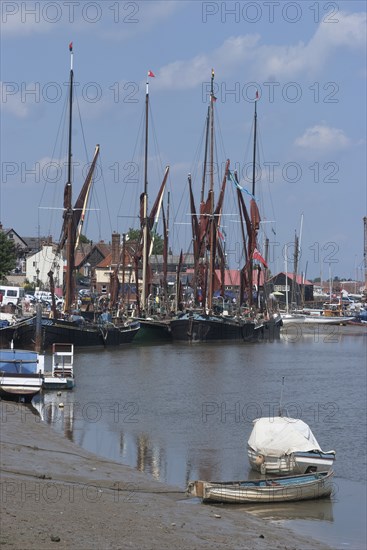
x=181 y=412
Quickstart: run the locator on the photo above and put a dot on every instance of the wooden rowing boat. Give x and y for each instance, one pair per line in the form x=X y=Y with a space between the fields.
x=281 y=489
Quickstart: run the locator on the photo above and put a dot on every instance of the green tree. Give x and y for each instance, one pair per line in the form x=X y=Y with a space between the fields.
x=7 y=256
x=83 y=239
x=134 y=235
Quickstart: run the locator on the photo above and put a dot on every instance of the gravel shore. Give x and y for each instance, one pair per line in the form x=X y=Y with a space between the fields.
x=56 y=495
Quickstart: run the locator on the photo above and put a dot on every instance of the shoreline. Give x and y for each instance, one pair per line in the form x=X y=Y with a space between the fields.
x=56 y=494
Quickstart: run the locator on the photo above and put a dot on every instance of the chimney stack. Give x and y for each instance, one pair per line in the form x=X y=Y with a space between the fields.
x=115 y=249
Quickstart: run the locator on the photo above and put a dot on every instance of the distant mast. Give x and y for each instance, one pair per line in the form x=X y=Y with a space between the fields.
x=145 y=203
x=253 y=209
x=68 y=209
x=211 y=194
x=254 y=146
x=365 y=252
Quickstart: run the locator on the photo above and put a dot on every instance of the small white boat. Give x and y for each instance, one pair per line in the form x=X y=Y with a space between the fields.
x=282 y=489
x=295 y=318
x=283 y=446
x=325 y=320
x=21 y=374
x=62 y=375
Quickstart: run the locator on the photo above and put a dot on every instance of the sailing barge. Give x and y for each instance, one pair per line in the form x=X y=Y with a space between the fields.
x=205 y=325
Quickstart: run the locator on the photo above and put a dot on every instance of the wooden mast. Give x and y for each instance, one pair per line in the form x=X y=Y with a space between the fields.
x=205 y=157
x=254 y=149
x=211 y=192
x=252 y=239
x=144 y=294
x=68 y=201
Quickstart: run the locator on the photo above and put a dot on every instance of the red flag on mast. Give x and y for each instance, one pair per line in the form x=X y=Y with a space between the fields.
x=257 y=256
x=71 y=47
x=150 y=73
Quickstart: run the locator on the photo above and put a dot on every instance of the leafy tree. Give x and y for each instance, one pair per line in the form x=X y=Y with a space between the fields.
x=29 y=286
x=7 y=256
x=134 y=236
x=83 y=239
x=158 y=244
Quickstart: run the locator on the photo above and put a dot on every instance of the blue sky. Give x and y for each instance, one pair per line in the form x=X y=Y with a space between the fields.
x=307 y=59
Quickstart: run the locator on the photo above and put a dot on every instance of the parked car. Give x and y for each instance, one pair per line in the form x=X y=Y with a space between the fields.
x=85 y=295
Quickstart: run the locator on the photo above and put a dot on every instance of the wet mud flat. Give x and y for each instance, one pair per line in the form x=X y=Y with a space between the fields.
x=56 y=494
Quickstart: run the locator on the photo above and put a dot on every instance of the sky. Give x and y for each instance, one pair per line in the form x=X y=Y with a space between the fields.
x=307 y=60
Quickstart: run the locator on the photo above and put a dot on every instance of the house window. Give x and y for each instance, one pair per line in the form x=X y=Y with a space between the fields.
x=11 y=235
x=103 y=289
x=34 y=264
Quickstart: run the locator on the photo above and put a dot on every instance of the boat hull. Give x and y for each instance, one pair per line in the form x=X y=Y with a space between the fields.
x=323 y=320
x=6 y=336
x=20 y=387
x=206 y=328
x=286 y=489
x=69 y=332
x=293 y=463
x=21 y=374
x=153 y=330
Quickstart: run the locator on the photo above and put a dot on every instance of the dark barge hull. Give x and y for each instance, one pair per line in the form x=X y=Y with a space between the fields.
x=209 y=328
x=153 y=331
x=69 y=332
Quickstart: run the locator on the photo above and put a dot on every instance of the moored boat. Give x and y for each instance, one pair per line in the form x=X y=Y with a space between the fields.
x=282 y=445
x=77 y=332
x=203 y=321
x=283 y=489
x=153 y=330
x=73 y=329
x=21 y=374
x=201 y=327
x=326 y=320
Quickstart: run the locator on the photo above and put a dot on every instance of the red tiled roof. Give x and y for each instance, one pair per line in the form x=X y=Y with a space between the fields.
x=106 y=262
x=232 y=276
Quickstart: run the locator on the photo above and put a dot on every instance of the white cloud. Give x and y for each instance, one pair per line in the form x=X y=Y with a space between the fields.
x=187 y=74
x=323 y=138
x=267 y=61
x=287 y=61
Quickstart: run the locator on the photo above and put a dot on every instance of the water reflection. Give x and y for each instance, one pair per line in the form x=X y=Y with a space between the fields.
x=53 y=410
x=150 y=457
x=144 y=406
x=315 y=510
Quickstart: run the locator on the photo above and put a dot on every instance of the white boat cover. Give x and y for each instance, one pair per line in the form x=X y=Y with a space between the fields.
x=280 y=435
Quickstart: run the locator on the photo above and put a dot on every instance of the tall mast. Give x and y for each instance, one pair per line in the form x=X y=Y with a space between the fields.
x=68 y=200
x=211 y=219
x=286 y=278
x=254 y=149
x=205 y=156
x=295 y=270
x=145 y=204
x=252 y=241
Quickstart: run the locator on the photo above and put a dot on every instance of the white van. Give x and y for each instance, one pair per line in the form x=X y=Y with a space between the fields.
x=11 y=295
